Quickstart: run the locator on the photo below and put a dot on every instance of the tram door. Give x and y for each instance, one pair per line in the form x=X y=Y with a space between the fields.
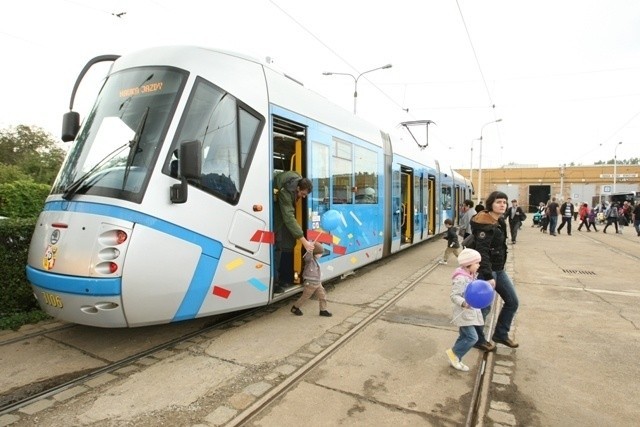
x=406 y=206
x=432 y=205
x=289 y=155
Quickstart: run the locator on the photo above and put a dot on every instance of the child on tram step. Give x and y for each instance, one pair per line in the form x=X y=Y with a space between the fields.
x=464 y=316
x=312 y=282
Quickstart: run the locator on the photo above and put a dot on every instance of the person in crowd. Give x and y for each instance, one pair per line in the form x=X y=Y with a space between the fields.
x=453 y=245
x=624 y=217
x=566 y=210
x=290 y=187
x=583 y=214
x=516 y=217
x=593 y=219
x=612 y=217
x=552 y=212
x=544 y=220
x=312 y=282
x=465 y=222
x=490 y=234
x=575 y=212
x=465 y=317
x=635 y=216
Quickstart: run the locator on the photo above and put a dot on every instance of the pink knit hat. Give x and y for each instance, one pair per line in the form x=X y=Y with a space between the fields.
x=468 y=257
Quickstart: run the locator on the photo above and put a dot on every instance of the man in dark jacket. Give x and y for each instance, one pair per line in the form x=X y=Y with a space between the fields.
x=289 y=188
x=516 y=216
x=566 y=210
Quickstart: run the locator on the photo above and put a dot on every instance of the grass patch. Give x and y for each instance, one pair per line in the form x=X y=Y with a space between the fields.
x=14 y=321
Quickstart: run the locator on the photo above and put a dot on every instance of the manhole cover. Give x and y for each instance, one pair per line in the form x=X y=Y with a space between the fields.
x=589 y=273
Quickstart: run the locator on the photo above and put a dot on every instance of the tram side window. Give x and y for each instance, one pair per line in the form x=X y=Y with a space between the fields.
x=365 y=167
x=229 y=132
x=342 y=172
x=320 y=174
x=446 y=197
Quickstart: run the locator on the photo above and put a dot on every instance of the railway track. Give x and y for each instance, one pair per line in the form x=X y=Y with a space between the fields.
x=202 y=338
x=16 y=399
x=279 y=391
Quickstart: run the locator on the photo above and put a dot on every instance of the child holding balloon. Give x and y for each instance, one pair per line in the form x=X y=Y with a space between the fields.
x=465 y=315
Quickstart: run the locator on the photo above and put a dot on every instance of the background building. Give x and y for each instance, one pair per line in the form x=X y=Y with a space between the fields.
x=532 y=185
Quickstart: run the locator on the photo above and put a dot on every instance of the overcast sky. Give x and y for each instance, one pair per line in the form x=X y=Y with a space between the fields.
x=563 y=75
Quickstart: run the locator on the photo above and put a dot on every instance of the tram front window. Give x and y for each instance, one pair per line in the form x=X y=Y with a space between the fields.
x=119 y=142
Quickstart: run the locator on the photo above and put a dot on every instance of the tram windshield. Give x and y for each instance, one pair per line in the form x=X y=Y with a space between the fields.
x=119 y=142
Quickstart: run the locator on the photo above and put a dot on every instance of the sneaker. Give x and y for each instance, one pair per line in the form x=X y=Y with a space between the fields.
x=506 y=341
x=485 y=346
x=295 y=310
x=325 y=313
x=455 y=362
x=442 y=262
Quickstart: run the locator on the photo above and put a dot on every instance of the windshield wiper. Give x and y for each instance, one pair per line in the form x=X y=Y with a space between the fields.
x=134 y=146
x=72 y=189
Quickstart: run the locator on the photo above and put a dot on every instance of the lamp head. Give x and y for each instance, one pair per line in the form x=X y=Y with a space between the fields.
x=387 y=66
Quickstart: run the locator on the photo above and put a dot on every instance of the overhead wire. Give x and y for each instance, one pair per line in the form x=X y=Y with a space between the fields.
x=305 y=29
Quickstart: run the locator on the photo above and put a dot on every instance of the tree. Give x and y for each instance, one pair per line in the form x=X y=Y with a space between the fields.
x=33 y=151
x=10 y=173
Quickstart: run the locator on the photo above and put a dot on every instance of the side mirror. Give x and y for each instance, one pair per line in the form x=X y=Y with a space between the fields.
x=70 y=126
x=190 y=165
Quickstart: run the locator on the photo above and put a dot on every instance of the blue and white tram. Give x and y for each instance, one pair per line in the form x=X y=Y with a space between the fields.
x=162 y=210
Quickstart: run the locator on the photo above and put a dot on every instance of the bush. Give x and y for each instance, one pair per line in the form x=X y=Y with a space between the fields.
x=16 y=295
x=22 y=199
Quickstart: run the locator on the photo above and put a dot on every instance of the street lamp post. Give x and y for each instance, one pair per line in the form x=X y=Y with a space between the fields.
x=471 y=163
x=355 y=80
x=480 y=159
x=615 y=165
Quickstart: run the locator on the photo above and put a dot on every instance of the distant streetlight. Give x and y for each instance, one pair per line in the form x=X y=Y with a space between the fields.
x=615 y=165
x=355 y=80
x=471 y=162
x=480 y=160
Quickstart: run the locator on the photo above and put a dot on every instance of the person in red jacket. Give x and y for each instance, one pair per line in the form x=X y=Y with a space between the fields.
x=583 y=214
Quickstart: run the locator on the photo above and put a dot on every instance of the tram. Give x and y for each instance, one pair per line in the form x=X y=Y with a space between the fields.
x=162 y=209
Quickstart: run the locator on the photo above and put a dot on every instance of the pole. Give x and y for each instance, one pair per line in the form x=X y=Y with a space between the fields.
x=355 y=81
x=480 y=159
x=471 y=164
x=615 y=165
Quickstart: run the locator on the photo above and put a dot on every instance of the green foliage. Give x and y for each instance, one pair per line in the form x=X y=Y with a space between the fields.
x=33 y=151
x=10 y=173
x=16 y=295
x=22 y=199
x=14 y=321
x=631 y=161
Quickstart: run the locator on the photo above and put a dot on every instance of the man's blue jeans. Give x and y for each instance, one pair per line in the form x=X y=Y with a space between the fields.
x=553 y=222
x=467 y=338
x=507 y=291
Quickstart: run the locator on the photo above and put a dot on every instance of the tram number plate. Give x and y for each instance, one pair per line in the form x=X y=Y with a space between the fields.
x=52 y=300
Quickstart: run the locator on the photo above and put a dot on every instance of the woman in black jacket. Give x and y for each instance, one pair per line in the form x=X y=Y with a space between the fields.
x=490 y=233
